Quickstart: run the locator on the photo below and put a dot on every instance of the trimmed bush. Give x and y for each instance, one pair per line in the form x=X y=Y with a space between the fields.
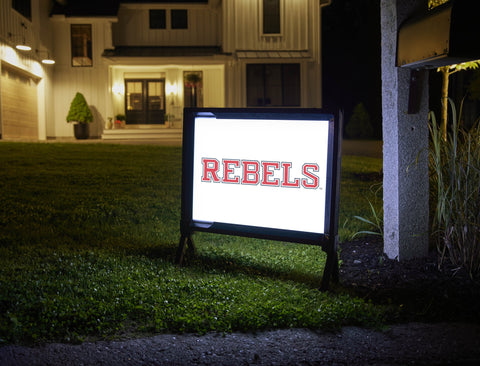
x=359 y=125
x=79 y=110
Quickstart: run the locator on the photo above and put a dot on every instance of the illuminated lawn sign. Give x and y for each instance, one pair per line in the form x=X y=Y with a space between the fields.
x=263 y=173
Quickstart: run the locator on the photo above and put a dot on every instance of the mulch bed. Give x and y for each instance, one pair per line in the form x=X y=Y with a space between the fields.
x=424 y=291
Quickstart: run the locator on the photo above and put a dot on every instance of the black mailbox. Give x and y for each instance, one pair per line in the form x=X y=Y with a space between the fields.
x=446 y=35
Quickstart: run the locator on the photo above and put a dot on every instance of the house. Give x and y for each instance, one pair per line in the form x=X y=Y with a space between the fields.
x=147 y=60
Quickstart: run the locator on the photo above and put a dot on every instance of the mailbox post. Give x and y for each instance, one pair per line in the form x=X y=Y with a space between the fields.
x=414 y=40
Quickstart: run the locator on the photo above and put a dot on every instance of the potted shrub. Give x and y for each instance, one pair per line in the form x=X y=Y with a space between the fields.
x=81 y=115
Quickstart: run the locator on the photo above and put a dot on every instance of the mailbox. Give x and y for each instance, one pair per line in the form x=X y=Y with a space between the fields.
x=446 y=35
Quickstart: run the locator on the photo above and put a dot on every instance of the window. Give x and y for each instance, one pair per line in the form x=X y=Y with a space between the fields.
x=192 y=88
x=81 y=45
x=179 y=19
x=24 y=7
x=271 y=17
x=158 y=19
x=273 y=85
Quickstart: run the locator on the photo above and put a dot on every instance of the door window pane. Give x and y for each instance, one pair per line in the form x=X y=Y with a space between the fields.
x=81 y=41
x=255 y=85
x=134 y=95
x=156 y=95
x=291 y=84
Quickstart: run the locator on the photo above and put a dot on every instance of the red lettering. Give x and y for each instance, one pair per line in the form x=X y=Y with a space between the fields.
x=267 y=173
x=250 y=172
x=311 y=180
x=227 y=170
x=210 y=170
x=286 y=177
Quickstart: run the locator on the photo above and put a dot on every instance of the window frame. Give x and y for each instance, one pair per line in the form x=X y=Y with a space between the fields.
x=89 y=46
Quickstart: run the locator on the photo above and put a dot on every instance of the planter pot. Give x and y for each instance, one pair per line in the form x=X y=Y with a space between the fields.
x=81 y=131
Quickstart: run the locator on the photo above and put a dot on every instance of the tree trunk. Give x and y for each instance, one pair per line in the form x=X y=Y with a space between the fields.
x=444 y=98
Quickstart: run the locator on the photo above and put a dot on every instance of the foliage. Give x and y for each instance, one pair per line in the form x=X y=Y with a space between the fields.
x=79 y=110
x=360 y=195
x=120 y=117
x=80 y=263
x=374 y=220
x=446 y=72
x=455 y=165
x=434 y=3
x=359 y=125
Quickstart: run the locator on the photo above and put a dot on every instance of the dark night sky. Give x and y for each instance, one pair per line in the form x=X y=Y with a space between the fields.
x=351 y=58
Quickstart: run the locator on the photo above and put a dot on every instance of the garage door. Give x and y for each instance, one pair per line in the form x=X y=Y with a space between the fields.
x=19 y=118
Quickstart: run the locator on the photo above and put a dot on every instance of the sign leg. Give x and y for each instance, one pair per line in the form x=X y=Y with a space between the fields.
x=186 y=242
x=331 y=272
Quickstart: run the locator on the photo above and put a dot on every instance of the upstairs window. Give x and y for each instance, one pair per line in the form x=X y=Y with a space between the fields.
x=271 y=17
x=24 y=7
x=81 y=40
x=179 y=19
x=158 y=19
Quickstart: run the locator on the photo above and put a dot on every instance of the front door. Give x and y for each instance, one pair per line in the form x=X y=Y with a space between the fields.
x=145 y=101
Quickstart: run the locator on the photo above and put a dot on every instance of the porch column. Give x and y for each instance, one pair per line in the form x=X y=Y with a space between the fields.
x=405 y=144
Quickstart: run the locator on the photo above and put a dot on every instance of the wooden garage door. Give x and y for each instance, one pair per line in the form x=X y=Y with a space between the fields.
x=19 y=105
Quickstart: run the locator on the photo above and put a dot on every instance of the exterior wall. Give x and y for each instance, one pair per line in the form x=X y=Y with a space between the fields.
x=37 y=34
x=91 y=81
x=242 y=26
x=301 y=25
x=133 y=27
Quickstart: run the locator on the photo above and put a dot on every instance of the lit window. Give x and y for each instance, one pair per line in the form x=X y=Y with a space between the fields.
x=81 y=45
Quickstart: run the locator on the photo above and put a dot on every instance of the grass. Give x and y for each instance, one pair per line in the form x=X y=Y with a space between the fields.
x=88 y=235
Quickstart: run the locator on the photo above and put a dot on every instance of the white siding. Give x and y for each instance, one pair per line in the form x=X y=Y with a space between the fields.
x=37 y=34
x=92 y=81
x=133 y=28
x=242 y=26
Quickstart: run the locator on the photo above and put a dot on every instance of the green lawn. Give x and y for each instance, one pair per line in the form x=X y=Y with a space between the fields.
x=88 y=234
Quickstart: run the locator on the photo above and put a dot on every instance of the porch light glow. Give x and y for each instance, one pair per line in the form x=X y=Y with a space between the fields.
x=172 y=88
x=118 y=88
